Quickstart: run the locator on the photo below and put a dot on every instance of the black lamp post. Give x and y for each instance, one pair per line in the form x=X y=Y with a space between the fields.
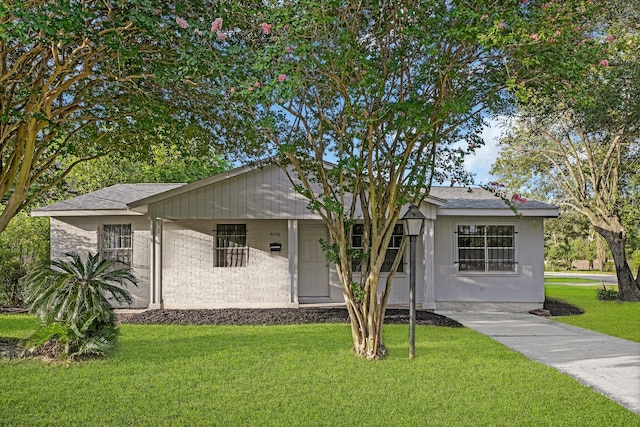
x=413 y=222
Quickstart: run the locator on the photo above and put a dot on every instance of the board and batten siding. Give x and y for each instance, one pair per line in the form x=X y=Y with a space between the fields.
x=191 y=279
x=524 y=287
x=264 y=193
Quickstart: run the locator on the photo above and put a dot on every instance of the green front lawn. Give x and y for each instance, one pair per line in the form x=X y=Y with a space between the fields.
x=296 y=375
x=609 y=317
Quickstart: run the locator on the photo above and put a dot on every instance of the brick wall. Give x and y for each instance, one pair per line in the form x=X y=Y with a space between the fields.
x=80 y=234
x=190 y=279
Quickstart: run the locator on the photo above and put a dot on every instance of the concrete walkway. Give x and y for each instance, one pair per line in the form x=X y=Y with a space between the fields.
x=609 y=365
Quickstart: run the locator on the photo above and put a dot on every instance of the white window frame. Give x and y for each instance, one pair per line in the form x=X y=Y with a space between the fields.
x=116 y=243
x=486 y=249
x=230 y=248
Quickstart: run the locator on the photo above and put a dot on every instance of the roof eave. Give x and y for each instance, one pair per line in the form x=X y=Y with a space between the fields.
x=546 y=213
x=85 y=212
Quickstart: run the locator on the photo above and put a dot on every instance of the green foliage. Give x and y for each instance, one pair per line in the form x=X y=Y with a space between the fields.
x=80 y=80
x=161 y=164
x=394 y=95
x=24 y=243
x=72 y=301
x=357 y=291
x=576 y=138
x=605 y=294
x=569 y=238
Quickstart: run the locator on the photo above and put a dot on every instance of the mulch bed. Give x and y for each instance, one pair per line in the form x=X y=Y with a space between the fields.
x=559 y=308
x=11 y=348
x=275 y=316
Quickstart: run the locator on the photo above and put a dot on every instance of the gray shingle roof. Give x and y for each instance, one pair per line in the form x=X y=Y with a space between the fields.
x=115 y=197
x=478 y=198
x=118 y=196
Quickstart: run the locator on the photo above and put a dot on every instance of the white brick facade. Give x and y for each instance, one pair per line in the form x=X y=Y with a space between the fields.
x=80 y=234
x=174 y=236
x=190 y=279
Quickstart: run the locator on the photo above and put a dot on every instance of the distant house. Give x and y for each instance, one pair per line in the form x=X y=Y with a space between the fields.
x=245 y=238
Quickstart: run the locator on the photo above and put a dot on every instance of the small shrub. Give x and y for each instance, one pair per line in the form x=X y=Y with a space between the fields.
x=11 y=272
x=605 y=294
x=71 y=299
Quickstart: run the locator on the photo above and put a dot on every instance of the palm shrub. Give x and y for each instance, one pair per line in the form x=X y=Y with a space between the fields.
x=72 y=300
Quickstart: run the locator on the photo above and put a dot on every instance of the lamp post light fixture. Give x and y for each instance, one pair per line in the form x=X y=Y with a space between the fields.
x=413 y=221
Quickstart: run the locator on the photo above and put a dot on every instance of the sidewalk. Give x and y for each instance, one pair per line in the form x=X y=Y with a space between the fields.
x=607 y=364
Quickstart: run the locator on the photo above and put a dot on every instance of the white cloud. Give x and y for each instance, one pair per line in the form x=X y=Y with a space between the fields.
x=480 y=163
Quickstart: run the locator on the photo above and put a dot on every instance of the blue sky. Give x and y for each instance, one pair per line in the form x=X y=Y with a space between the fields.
x=484 y=158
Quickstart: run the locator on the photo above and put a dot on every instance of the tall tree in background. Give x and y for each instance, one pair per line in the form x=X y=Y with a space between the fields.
x=580 y=145
x=393 y=93
x=82 y=79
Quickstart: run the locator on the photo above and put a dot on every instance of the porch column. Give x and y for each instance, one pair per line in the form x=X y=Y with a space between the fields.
x=293 y=259
x=155 y=273
x=429 y=302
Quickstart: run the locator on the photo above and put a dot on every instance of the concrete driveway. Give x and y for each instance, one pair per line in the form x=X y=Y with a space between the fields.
x=607 y=364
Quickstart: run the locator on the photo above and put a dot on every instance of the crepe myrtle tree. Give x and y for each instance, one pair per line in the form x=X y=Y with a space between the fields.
x=81 y=79
x=577 y=139
x=365 y=105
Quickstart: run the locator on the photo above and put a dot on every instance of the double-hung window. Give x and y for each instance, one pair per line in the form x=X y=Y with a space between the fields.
x=357 y=242
x=116 y=243
x=486 y=248
x=231 y=248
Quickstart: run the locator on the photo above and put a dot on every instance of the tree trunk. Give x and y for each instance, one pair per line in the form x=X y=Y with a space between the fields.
x=628 y=288
x=366 y=327
x=602 y=256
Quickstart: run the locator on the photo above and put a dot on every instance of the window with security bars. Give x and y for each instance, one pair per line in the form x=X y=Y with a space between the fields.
x=116 y=243
x=390 y=256
x=231 y=245
x=486 y=248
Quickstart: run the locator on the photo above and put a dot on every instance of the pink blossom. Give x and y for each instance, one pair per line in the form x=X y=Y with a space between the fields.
x=221 y=35
x=232 y=89
x=557 y=33
x=280 y=101
x=604 y=63
x=266 y=28
x=216 y=25
x=288 y=49
x=181 y=22
x=250 y=89
x=501 y=25
x=282 y=77
x=609 y=39
x=518 y=198
x=257 y=84
x=534 y=36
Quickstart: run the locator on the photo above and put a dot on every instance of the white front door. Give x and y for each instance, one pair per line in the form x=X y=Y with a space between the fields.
x=313 y=274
